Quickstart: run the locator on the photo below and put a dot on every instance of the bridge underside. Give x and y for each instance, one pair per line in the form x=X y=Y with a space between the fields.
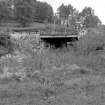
x=58 y=41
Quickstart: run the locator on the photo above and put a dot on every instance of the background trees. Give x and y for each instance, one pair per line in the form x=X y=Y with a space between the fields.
x=70 y=16
x=31 y=11
x=22 y=12
x=5 y=11
x=28 y=11
x=44 y=12
x=90 y=19
x=25 y=11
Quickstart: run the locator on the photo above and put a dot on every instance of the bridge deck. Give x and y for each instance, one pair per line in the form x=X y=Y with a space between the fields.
x=58 y=35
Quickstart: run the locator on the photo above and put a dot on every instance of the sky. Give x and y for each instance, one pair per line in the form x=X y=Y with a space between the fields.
x=97 y=5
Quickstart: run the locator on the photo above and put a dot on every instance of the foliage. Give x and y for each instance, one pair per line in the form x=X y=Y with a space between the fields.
x=25 y=11
x=5 y=11
x=6 y=44
x=92 y=42
x=44 y=12
x=72 y=17
x=90 y=20
x=66 y=12
x=87 y=11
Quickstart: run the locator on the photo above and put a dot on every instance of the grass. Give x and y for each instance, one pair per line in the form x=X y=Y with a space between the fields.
x=84 y=89
x=64 y=76
x=88 y=51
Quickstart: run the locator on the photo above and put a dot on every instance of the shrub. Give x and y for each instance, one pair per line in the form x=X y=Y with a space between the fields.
x=6 y=44
x=93 y=41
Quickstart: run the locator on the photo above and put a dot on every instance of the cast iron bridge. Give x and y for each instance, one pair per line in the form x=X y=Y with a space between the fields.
x=58 y=39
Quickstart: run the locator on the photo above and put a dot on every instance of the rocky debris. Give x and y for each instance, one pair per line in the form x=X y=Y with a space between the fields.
x=66 y=67
x=85 y=70
x=54 y=68
x=18 y=76
x=9 y=73
x=3 y=51
x=15 y=56
x=5 y=73
x=49 y=94
x=75 y=69
x=72 y=67
x=73 y=81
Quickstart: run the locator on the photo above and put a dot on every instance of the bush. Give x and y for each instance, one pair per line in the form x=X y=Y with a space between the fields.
x=93 y=41
x=6 y=44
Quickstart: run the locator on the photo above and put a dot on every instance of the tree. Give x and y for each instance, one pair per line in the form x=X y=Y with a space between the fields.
x=27 y=11
x=50 y=14
x=61 y=11
x=44 y=12
x=90 y=20
x=5 y=13
x=24 y=11
x=87 y=11
x=65 y=11
x=73 y=18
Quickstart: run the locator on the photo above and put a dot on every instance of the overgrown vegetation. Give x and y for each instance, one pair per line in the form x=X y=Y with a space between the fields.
x=32 y=74
x=92 y=42
x=6 y=44
x=88 y=52
x=45 y=75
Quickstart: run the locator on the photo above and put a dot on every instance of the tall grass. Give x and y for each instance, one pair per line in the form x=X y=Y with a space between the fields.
x=87 y=52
